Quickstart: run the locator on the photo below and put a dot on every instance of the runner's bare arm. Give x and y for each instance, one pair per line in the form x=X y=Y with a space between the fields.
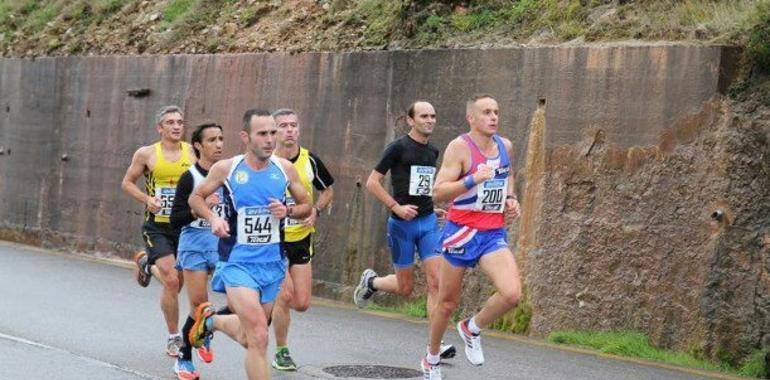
x=325 y=197
x=302 y=208
x=214 y=180
x=449 y=185
x=135 y=170
x=374 y=186
x=512 y=207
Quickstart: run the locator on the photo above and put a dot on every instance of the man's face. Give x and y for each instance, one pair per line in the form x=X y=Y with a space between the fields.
x=288 y=130
x=171 y=127
x=483 y=116
x=261 y=140
x=212 y=142
x=424 y=118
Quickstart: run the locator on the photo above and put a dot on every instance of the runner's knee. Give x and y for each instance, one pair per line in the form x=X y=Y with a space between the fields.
x=405 y=288
x=170 y=280
x=511 y=296
x=446 y=307
x=285 y=297
x=301 y=303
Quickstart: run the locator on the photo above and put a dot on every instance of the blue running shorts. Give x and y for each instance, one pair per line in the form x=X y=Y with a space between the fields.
x=463 y=246
x=404 y=235
x=264 y=277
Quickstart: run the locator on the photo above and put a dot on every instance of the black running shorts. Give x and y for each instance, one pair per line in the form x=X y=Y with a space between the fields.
x=299 y=252
x=160 y=239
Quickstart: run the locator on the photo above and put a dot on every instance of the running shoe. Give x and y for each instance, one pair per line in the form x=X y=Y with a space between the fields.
x=283 y=361
x=185 y=370
x=473 y=351
x=174 y=345
x=143 y=275
x=204 y=351
x=363 y=292
x=447 y=351
x=430 y=371
x=203 y=326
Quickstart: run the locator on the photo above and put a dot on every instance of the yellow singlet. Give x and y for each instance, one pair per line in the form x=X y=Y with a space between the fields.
x=161 y=181
x=295 y=230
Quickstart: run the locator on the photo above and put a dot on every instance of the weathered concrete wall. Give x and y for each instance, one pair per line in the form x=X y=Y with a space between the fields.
x=351 y=105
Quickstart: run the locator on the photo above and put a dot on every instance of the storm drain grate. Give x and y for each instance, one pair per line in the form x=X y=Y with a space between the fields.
x=372 y=372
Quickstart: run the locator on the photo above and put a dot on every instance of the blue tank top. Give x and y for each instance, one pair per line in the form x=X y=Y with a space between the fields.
x=197 y=235
x=255 y=235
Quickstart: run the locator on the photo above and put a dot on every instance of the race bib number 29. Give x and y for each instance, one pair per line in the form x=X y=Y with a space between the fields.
x=256 y=226
x=421 y=180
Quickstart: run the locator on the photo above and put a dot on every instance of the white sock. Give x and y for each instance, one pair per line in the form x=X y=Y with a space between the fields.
x=171 y=336
x=472 y=327
x=432 y=359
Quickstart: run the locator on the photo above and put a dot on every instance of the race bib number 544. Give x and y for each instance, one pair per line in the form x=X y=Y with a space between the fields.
x=256 y=226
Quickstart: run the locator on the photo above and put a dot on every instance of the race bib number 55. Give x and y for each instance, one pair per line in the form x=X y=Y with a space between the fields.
x=421 y=180
x=256 y=226
x=166 y=197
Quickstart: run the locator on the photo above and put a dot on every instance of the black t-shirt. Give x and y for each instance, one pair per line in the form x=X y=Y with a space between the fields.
x=181 y=214
x=404 y=157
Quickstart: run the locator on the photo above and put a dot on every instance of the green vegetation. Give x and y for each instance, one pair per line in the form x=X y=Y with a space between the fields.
x=517 y=320
x=176 y=9
x=758 y=46
x=416 y=308
x=434 y=23
x=637 y=345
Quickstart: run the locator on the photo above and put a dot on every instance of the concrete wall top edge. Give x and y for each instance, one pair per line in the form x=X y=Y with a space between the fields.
x=568 y=46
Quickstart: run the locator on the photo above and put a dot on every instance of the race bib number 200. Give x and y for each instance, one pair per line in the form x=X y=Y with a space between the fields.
x=491 y=195
x=421 y=180
x=256 y=226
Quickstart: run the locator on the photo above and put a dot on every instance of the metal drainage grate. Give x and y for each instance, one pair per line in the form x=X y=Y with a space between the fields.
x=372 y=372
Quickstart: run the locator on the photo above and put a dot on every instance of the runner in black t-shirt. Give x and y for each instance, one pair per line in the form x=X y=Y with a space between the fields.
x=411 y=161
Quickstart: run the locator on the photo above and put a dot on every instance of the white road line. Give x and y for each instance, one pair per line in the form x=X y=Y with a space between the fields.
x=82 y=357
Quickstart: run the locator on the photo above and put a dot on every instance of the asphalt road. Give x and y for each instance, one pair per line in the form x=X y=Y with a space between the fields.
x=64 y=317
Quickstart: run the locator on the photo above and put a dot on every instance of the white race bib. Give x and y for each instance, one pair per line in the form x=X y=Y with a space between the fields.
x=490 y=196
x=289 y=221
x=166 y=197
x=218 y=209
x=257 y=226
x=421 y=180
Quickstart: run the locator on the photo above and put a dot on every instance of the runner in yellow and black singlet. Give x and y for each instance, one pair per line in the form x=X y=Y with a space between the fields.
x=162 y=164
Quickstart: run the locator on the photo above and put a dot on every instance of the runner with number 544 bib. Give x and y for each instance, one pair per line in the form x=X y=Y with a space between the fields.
x=251 y=265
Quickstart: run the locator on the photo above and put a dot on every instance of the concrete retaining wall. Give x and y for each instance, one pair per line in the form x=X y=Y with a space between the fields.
x=350 y=105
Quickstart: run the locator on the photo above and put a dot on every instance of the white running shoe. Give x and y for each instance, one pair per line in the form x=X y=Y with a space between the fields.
x=446 y=351
x=430 y=371
x=363 y=292
x=473 y=351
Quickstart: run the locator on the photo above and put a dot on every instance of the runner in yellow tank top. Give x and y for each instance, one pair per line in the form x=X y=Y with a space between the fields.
x=162 y=179
x=161 y=163
x=298 y=234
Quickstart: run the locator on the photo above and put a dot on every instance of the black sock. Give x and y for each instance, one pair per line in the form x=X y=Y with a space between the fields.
x=370 y=283
x=186 y=352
